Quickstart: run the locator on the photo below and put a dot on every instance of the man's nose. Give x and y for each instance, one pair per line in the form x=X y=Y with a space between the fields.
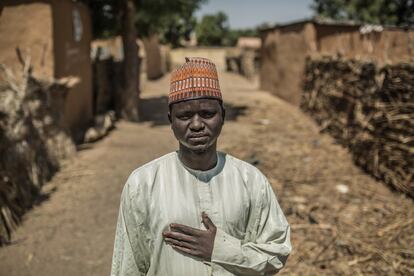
x=196 y=123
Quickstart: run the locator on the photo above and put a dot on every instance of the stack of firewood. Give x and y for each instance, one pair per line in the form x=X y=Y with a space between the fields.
x=370 y=110
x=32 y=141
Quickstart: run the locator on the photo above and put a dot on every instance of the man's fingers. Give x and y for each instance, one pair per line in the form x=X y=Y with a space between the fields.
x=207 y=221
x=179 y=236
x=185 y=229
x=179 y=243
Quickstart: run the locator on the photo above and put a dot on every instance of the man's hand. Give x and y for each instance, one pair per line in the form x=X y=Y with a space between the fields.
x=196 y=242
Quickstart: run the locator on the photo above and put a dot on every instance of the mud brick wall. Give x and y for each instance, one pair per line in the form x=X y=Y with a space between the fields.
x=286 y=47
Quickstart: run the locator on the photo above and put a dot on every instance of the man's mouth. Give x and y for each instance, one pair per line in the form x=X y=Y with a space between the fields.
x=195 y=136
x=198 y=138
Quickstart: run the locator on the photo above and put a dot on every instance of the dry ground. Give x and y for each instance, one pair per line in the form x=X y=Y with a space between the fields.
x=343 y=221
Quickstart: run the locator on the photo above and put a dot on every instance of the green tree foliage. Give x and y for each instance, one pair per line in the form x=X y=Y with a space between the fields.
x=171 y=19
x=387 y=12
x=213 y=30
x=105 y=15
x=178 y=30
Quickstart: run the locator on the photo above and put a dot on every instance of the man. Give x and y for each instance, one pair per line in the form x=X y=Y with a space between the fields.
x=198 y=211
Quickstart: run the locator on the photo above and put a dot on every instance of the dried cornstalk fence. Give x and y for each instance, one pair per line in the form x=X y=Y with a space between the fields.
x=32 y=140
x=369 y=110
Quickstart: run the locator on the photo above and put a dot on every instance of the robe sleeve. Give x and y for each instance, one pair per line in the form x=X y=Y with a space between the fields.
x=268 y=248
x=131 y=253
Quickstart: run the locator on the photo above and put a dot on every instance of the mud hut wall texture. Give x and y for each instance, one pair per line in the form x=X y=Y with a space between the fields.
x=285 y=49
x=369 y=110
x=32 y=36
x=283 y=56
x=216 y=54
x=389 y=46
x=72 y=38
x=153 y=57
x=56 y=34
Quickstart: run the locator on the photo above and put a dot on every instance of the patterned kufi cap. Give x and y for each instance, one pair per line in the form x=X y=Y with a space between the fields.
x=196 y=78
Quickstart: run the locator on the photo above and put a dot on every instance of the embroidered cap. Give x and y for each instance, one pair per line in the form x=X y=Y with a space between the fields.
x=196 y=78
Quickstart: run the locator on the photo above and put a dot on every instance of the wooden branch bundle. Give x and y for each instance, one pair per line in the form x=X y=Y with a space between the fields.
x=32 y=141
x=368 y=110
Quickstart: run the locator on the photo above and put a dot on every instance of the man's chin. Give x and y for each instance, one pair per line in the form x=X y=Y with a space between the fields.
x=199 y=149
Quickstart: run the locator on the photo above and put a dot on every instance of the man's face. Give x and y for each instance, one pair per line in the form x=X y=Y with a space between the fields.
x=197 y=123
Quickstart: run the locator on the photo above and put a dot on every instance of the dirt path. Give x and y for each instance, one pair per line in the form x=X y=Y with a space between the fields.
x=327 y=199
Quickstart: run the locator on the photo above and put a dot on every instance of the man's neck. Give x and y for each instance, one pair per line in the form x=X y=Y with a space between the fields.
x=201 y=161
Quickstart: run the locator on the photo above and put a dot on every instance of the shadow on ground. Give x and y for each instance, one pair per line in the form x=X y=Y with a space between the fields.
x=155 y=110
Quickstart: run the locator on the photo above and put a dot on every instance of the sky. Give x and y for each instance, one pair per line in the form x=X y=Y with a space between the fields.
x=251 y=13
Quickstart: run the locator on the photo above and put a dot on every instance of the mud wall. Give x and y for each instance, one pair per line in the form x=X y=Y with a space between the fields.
x=285 y=48
x=72 y=36
x=32 y=36
x=283 y=58
x=56 y=34
x=368 y=109
x=389 y=46
x=153 y=57
x=216 y=54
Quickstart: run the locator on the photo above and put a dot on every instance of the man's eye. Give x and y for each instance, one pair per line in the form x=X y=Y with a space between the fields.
x=207 y=114
x=183 y=116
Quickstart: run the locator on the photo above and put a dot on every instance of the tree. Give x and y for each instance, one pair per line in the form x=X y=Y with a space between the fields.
x=212 y=30
x=128 y=107
x=386 y=12
x=113 y=17
x=173 y=20
x=105 y=15
x=166 y=16
x=170 y=18
x=178 y=30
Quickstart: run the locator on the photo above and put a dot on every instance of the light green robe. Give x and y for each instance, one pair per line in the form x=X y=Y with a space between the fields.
x=253 y=236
